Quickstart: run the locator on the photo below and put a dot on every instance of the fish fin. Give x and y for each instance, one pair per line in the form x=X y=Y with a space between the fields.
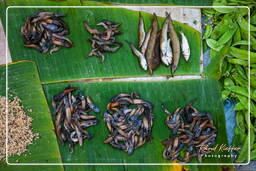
x=165 y=109
x=129 y=43
x=171 y=69
x=169 y=41
x=102 y=59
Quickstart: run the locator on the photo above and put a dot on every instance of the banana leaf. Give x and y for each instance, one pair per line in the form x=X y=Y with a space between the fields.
x=172 y=93
x=23 y=81
x=73 y=63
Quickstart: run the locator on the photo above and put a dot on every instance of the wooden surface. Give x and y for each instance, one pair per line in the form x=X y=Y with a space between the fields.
x=189 y=16
x=3 y=47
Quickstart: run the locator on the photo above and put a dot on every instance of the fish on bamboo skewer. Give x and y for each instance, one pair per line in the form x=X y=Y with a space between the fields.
x=175 y=44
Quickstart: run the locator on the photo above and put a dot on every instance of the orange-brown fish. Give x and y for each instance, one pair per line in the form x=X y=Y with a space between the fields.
x=151 y=45
x=175 y=42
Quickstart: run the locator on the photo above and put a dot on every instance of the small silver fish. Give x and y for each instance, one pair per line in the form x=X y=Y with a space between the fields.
x=141 y=57
x=145 y=43
x=141 y=30
x=166 y=50
x=185 y=46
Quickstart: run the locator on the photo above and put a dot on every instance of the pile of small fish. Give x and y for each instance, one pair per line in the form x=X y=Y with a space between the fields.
x=129 y=120
x=163 y=45
x=190 y=130
x=104 y=41
x=45 y=32
x=72 y=117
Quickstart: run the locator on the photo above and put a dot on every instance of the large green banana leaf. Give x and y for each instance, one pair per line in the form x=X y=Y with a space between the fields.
x=23 y=81
x=73 y=63
x=172 y=93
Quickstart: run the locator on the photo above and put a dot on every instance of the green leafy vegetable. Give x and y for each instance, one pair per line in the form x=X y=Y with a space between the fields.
x=232 y=30
x=208 y=31
x=242 y=54
x=214 y=44
x=240 y=42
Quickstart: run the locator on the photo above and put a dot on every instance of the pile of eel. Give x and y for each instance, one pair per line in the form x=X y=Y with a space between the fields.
x=129 y=120
x=103 y=41
x=72 y=117
x=45 y=31
x=191 y=134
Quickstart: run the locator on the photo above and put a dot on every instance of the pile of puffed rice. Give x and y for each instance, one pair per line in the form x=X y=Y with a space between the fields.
x=20 y=133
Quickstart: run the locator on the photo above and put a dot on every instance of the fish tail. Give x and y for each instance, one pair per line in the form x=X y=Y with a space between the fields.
x=167 y=14
x=127 y=41
x=192 y=101
x=150 y=72
x=173 y=68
